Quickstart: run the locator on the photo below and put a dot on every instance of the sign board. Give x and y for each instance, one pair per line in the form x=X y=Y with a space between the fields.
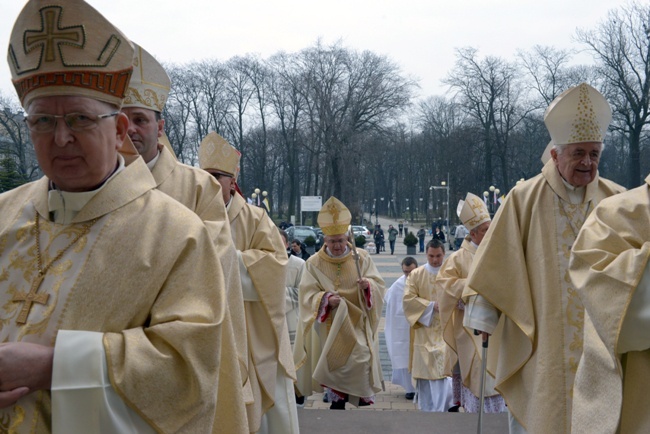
x=311 y=203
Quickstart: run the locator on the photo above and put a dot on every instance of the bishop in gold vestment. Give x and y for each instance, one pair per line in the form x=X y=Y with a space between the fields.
x=113 y=299
x=463 y=343
x=538 y=342
x=337 y=344
x=262 y=259
x=159 y=326
x=521 y=268
x=201 y=193
x=609 y=267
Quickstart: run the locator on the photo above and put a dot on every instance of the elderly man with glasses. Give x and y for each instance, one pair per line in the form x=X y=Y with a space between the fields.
x=112 y=292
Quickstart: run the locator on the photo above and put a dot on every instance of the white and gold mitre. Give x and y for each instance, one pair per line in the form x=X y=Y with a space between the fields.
x=472 y=211
x=164 y=140
x=149 y=86
x=65 y=47
x=580 y=114
x=334 y=218
x=546 y=155
x=216 y=154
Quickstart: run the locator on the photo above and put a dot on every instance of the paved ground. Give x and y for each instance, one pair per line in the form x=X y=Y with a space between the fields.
x=398 y=422
x=392 y=413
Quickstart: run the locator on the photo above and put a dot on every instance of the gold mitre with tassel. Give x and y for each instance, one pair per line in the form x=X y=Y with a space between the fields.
x=578 y=115
x=216 y=155
x=149 y=86
x=334 y=217
x=472 y=211
x=66 y=47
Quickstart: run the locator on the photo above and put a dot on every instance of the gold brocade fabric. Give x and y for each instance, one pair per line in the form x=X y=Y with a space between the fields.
x=343 y=352
x=161 y=327
x=263 y=253
x=609 y=258
x=519 y=269
x=17 y=271
x=568 y=220
x=464 y=346
x=428 y=349
x=201 y=193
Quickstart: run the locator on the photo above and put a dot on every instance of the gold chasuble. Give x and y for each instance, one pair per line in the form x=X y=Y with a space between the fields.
x=465 y=346
x=522 y=269
x=343 y=351
x=262 y=261
x=609 y=261
x=158 y=300
x=427 y=346
x=201 y=193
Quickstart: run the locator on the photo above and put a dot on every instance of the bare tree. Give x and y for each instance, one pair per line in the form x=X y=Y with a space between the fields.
x=177 y=114
x=490 y=90
x=621 y=47
x=551 y=74
x=15 y=142
x=239 y=91
x=350 y=93
x=257 y=155
x=288 y=104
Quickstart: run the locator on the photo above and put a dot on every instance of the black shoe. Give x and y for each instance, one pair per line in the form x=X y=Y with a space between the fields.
x=338 y=405
x=300 y=400
x=363 y=403
x=325 y=399
x=410 y=395
x=454 y=409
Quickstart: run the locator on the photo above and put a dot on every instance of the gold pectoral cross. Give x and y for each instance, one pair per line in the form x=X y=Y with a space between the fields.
x=30 y=298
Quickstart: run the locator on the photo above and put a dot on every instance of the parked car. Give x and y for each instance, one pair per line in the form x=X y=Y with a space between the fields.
x=320 y=240
x=302 y=232
x=361 y=230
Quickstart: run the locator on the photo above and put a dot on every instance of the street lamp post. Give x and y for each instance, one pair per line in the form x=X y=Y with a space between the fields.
x=492 y=204
x=444 y=185
x=431 y=206
x=256 y=195
x=374 y=208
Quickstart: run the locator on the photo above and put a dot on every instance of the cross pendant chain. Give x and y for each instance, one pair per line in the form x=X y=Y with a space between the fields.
x=32 y=296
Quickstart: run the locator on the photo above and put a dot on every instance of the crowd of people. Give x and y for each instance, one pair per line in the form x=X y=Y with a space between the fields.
x=144 y=295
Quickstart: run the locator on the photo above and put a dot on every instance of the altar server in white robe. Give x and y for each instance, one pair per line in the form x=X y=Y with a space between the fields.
x=398 y=331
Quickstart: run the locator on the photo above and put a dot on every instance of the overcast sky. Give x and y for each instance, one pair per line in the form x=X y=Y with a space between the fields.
x=419 y=35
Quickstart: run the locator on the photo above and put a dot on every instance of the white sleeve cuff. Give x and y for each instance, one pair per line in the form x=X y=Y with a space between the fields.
x=83 y=399
x=480 y=315
x=634 y=331
x=427 y=316
x=248 y=289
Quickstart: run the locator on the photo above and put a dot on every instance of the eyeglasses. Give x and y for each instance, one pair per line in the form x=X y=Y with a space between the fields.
x=42 y=123
x=218 y=175
x=337 y=241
